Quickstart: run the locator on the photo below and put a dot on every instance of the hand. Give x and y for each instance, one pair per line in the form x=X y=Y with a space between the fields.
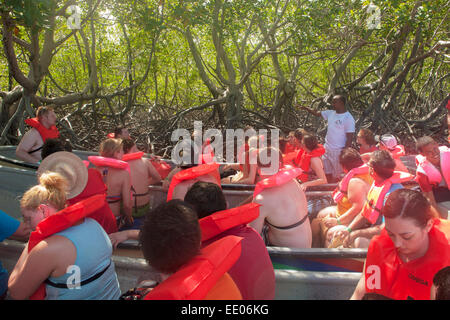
x=303 y=187
x=345 y=236
x=126 y=221
x=330 y=222
x=118 y=237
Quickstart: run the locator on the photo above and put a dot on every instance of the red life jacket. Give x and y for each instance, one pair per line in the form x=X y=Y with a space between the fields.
x=192 y=173
x=434 y=176
x=132 y=156
x=387 y=275
x=161 y=166
x=303 y=160
x=376 y=194
x=61 y=221
x=95 y=185
x=281 y=177
x=45 y=133
x=195 y=279
x=341 y=189
x=221 y=221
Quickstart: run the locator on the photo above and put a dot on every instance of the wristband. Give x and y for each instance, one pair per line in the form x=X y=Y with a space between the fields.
x=349 y=229
x=338 y=221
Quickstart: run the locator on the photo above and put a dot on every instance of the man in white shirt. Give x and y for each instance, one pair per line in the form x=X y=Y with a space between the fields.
x=340 y=131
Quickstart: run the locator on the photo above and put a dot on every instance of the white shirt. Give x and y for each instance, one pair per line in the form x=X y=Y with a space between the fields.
x=338 y=125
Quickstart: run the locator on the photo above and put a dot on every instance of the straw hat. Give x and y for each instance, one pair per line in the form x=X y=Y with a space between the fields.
x=70 y=167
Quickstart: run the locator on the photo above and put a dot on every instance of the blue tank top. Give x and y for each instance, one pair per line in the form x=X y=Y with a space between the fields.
x=94 y=252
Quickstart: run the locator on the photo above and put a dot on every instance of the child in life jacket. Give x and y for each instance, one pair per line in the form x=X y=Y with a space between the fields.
x=171 y=239
x=412 y=247
x=433 y=173
x=61 y=236
x=253 y=272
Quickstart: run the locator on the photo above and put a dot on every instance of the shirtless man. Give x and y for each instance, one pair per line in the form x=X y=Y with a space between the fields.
x=29 y=148
x=284 y=211
x=142 y=175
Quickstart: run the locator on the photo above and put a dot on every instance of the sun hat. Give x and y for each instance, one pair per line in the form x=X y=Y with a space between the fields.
x=70 y=167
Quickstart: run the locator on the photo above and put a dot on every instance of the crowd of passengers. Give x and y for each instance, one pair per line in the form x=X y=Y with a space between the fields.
x=80 y=211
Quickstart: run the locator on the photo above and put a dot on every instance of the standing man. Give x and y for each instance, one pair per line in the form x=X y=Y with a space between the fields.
x=340 y=131
x=29 y=148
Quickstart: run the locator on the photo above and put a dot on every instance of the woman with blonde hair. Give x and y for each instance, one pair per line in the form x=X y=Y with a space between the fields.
x=116 y=178
x=78 y=256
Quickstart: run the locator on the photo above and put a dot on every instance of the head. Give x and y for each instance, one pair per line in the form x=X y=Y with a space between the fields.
x=440 y=290
x=387 y=142
x=296 y=137
x=121 y=133
x=54 y=145
x=429 y=149
x=381 y=165
x=309 y=142
x=129 y=146
x=350 y=159
x=111 y=148
x=408 y=219
x=206 y=198
x=44 y=199
x=170 y=236
x=365 y=137
x=338 y=102
x=46 y=116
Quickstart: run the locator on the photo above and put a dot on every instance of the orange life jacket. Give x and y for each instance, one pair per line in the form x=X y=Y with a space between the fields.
x=303 y=160
x=387 y=275
x=376 y=194
x=281 y=177
x=221 y=221
x=161 y=166
x=61 y=221
x=195 y=279
x=45 y=133
x=341 y=189
x=434 y=176
x=192 y=173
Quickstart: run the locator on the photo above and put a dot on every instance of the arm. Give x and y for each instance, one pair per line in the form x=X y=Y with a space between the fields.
x=349 y=139
x=121 y=236
x=357 y=192
x=126 y=196
x=32 y=269
x=29 y=140
x=22 y=233
x=360 y=289
x=258 y=223
x=309 y=110
x=250 y=179
x=367 y=233
x=154 y=175
x=317 y=167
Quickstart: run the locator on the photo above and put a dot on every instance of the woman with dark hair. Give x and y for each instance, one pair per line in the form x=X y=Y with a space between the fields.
x=353 y=187
x=402 y=261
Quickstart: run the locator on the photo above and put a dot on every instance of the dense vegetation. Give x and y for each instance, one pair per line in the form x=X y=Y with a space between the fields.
x=157 y=65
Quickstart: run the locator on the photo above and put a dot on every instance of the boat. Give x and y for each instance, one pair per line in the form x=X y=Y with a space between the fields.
x=301 y=274
x=290 y=284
